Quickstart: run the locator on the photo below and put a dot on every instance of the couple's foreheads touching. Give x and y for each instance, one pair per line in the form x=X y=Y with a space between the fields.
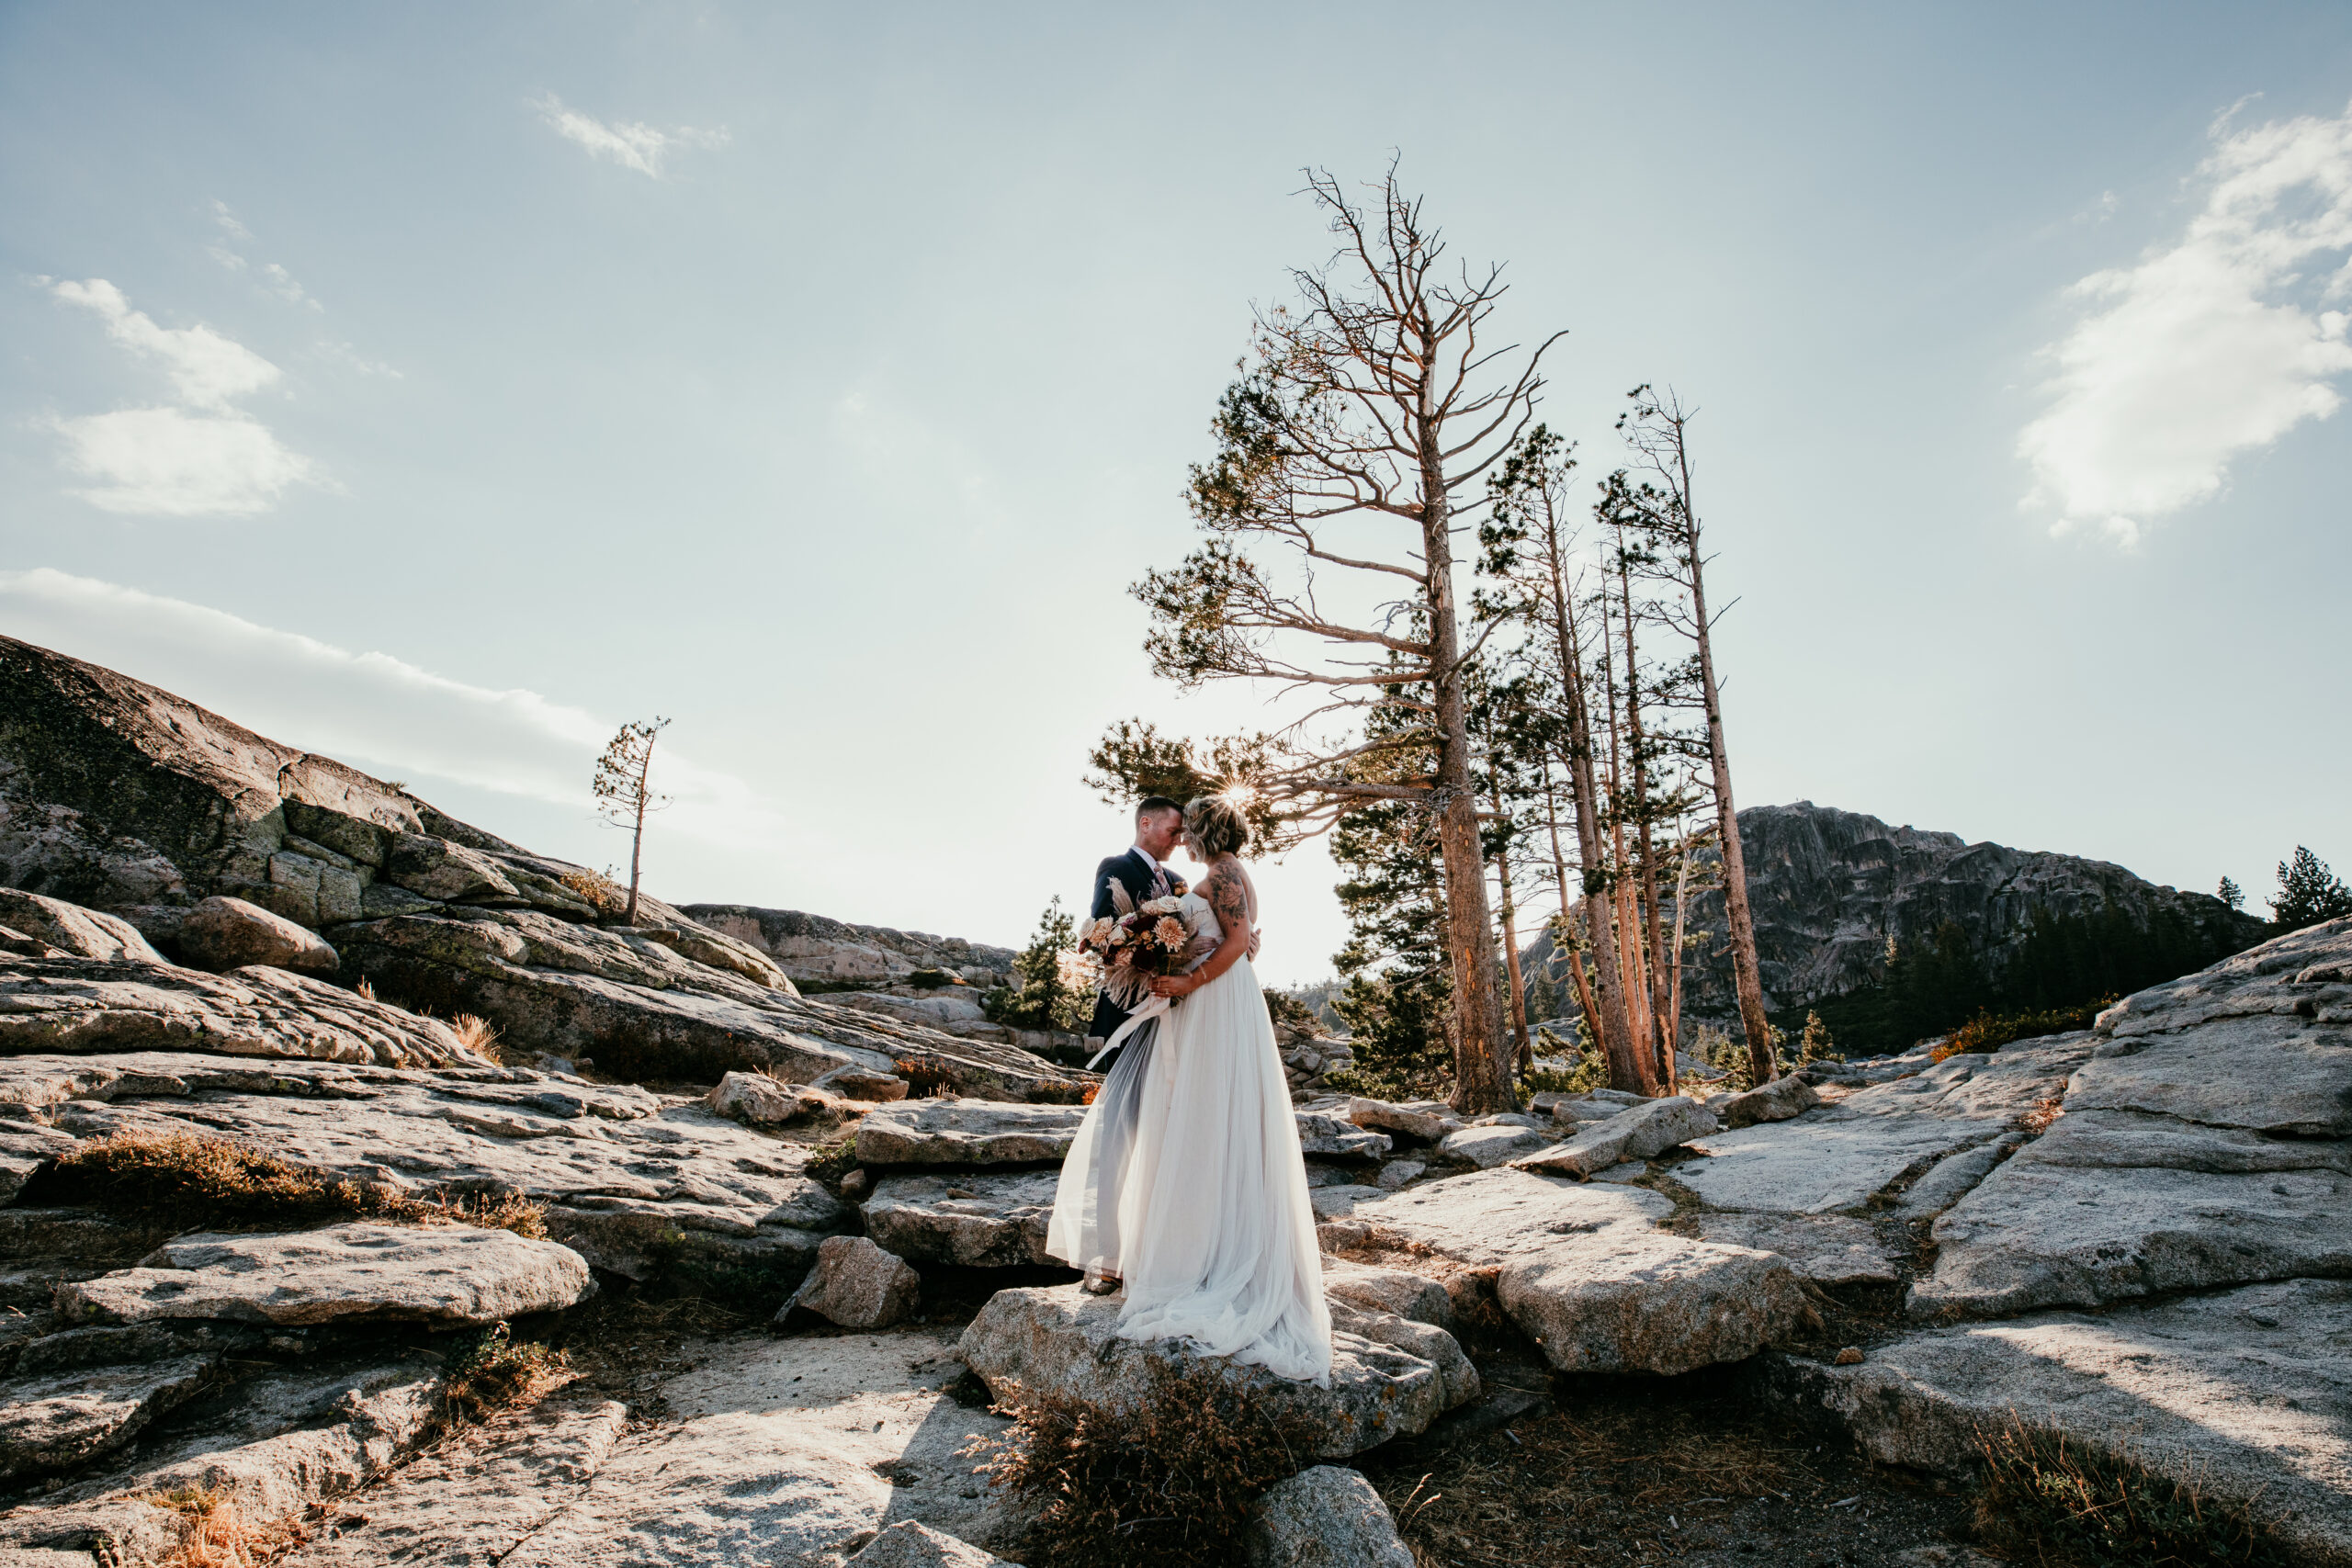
x=1210 y=825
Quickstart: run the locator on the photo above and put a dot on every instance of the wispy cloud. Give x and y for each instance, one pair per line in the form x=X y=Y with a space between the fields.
x=206 y=368
x=629 y=143
x=372 y=710
x=281 y=283
x=203 y=458
x=274 y=278
x=2212 y=346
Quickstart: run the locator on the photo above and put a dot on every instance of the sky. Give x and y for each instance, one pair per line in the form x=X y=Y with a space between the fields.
x=435 y=387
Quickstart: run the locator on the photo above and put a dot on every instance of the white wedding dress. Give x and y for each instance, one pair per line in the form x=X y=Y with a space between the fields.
x=1187 y=1183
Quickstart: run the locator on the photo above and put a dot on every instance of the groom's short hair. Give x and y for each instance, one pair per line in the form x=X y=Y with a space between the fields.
x=1152 y=805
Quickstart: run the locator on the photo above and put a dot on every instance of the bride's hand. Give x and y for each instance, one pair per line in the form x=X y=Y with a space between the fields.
x=1171 y=985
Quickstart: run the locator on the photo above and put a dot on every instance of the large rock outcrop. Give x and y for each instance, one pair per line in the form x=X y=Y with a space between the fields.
x=2184 y=1169
x=825 y=954
x=59 y=1003
x=1061 y=1340
x=2207 y=1141
x=1585 y=1270
x=1829 y=888
x=120 y=796
x=2245 y=1395
x=657 y=1189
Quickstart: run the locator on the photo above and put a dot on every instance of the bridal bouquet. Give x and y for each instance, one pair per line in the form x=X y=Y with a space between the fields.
x=1142 y=941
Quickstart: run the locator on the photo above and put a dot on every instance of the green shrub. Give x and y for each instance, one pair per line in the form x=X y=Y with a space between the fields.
x=1372 y=1084
x=1814 y=1044
x=1986 y=1031
x=2050 y=1502
x=1053 y=987
x=489 y=1372
x=1283 y=1008
x=1729 y=1056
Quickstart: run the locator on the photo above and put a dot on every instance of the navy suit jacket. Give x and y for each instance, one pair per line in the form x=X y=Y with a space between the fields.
x=1132 y=872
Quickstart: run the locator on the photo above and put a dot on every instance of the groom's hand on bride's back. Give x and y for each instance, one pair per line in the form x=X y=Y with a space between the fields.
x=1254 y=935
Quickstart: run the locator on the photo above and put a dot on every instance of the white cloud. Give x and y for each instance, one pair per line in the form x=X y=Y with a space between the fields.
x=629 y=143
x=345 y=355
x=371 y=710
x=282 y=284
x=209 y=460
x=207 y=369
x=171 y=463
x=227 y=221
x=2211 y=346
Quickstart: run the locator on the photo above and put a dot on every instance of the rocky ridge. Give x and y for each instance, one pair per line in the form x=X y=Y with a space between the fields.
x=118 y=796
x=1827 y=888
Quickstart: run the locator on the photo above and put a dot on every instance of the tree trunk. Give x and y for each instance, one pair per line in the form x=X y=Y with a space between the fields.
x=1674 y=991
x=1509 y=912
x=1627 y=940
x=1660 y=1030
x=1616 y=1033
x=1584 y=997
x=1593 y=1024
x=637 y=836
x=1482 y=1054
x=1745 y=978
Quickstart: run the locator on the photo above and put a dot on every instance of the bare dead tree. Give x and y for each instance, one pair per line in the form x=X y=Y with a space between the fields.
x=1658 y=428
x=623 y=797
x=1345 y=456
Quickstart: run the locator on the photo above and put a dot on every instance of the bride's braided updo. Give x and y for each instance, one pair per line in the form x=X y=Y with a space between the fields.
x=1214 y=826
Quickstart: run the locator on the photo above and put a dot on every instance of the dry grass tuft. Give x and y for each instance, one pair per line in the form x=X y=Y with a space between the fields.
x=600 y=893
x=215 y=1532
x=2049 y=1503
x=193 y=1180
x=475 y=1032
x=926 y=1080
x=490 y=1373
x=363 y=990
x=1171 y=1483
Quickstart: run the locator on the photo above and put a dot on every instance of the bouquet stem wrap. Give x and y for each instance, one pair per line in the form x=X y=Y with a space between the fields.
x=1155 y=1006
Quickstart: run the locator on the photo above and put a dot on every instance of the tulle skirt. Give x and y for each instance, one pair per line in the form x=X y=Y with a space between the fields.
x=1186 y=1181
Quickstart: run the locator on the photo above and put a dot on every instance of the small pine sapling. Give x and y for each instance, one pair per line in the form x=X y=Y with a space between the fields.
x=624 y=797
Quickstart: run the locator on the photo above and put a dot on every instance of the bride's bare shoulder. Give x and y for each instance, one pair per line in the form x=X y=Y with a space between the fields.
x=1227 y=887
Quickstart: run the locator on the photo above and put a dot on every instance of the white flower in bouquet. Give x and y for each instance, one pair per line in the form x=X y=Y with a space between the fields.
x=1162 y=906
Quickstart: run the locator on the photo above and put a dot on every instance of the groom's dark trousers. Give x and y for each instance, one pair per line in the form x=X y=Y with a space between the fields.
x=1133 y=873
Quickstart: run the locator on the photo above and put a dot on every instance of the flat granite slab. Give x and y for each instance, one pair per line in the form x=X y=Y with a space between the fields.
x=967 y=1131
x=445 y=1274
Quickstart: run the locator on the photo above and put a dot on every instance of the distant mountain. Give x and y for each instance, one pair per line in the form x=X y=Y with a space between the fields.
x=1829 y=888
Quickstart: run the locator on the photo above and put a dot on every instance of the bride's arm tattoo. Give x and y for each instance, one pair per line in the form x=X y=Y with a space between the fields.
x=1229 y=899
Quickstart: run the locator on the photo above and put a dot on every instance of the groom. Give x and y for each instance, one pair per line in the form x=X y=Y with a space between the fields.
x=1143 y=872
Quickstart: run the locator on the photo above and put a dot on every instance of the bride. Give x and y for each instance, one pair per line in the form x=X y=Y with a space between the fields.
x=1185 y=1185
